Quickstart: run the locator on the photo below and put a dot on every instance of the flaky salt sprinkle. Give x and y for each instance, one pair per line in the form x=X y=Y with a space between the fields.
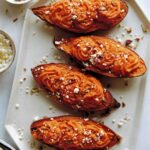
x=57 y=42
x=125 y=56
x=76 y=90
x=97 y=99
x=122 y=11
x=67 y=96
x=120 y=124
x=47 y=12
x=113 y=121
x=36 y=118
x=86 y=119
x=102 y=8
x=74 y=17
x=17 y=106
x=101 y=45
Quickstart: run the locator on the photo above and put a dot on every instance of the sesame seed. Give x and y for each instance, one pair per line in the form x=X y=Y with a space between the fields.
x=47 y=12
x=97 y=99
x=118 y=45
x=88 y=13
x=44 y=59
x=113 y=121
x=67 y=96
x=123 y=34
x=85 y=64
x=74 y=17
x=57 y=42
x=36 y=118
x=101 y=45
x=62 y=78
x=119 y=40
x=17 y=106
x=105 y=90
x=86 y=119
x=122 y=10
x=78 y=106
x=76 y=90
x=27 y=90
x=51 y=118
x=84 y=48
x=87 y=132
x=21 y=81
x=50 y=108
x=128 y=29
x=34 y=33
x=78 y=45
x=70 y=67
x=120 y=124
x=125 y=56
x=82 y=100
x=104 y=64
x=102 y=8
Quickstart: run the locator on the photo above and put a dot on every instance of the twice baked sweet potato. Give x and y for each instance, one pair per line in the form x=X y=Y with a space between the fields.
x=103 y=56
x=74 y=133
x=74 y=88
x=83 y=16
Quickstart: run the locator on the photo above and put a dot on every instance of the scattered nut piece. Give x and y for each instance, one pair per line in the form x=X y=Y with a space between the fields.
x=123 y=104
x=128 y=42
x=129 y=30
x=14 y=20
x=144 y=29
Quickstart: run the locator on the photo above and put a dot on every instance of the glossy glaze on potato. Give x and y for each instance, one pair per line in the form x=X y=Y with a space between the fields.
x=74 y=88
x=74 y=133
x=83 y=16
x=103 y=56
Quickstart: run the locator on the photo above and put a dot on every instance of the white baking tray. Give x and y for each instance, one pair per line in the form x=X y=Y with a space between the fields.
x=37 y=42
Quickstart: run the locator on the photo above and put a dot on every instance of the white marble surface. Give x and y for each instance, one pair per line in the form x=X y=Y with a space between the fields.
x=6 y=78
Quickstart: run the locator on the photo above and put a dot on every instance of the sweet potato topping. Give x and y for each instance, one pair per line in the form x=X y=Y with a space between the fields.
x=74 y=133
x=103 y=55
x=74 y=88
x=83 y=16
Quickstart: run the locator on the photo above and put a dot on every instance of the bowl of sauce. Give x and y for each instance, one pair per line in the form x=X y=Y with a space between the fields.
x=7 y=51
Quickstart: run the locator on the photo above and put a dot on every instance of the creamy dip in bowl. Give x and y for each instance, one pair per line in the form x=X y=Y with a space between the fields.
x=7 y=51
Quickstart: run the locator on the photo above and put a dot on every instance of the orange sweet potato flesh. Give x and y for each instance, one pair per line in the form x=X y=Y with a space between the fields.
x=83 y=16
x=103 y=56
x=74 y=133
x=73 y=88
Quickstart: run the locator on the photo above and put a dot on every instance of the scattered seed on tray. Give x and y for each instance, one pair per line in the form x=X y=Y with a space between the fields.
x=123 y=104
x=144 y=29
x=14 y=20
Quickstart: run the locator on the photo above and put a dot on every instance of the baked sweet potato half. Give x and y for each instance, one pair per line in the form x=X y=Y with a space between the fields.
x=103 y=56
x=74 y=88
x=74 y=133
x=83 y=16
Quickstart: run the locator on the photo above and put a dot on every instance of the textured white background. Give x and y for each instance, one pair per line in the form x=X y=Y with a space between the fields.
x=6 y=78
x=14 y=30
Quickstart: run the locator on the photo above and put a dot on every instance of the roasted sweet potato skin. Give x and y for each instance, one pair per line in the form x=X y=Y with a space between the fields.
x=103 y=56
x=74 y=133
x=74 y=88
x=83 y=16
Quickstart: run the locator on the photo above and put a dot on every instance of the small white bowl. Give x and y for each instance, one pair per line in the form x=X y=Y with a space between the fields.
x=13 y=48
x=18 y=2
